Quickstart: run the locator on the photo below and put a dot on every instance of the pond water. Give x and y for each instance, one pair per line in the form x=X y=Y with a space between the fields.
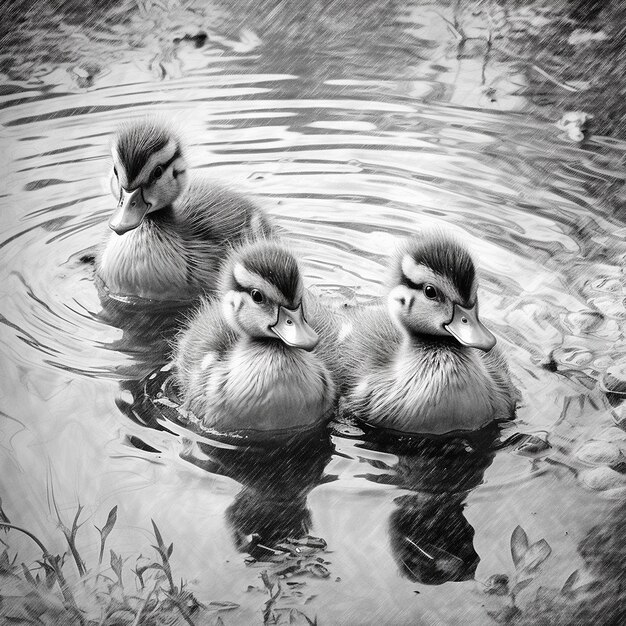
x=353 y=127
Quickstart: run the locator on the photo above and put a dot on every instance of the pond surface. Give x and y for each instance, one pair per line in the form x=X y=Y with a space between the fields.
x=353 y=127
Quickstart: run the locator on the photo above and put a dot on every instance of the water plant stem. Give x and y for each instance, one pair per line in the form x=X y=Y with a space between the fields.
x=68 y=596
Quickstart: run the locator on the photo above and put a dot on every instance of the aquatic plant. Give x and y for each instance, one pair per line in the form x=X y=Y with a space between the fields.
x=46 y=593
x=527 y=559
x=275 y=615
x=284 y=567
x=549 y=605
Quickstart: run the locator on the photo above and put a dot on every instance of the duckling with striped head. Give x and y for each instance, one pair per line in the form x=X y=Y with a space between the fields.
x=246 y=361
x=170 y=229
x=425 y=363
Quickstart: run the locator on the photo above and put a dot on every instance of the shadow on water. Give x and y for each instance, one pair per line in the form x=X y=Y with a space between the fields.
x=276 y=480
x=431 y=540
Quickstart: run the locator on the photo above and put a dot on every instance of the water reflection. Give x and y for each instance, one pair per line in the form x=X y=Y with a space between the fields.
x=148 y=329
x=431 y=540
x=276 y=480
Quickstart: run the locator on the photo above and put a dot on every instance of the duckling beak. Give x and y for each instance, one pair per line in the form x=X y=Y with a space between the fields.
x=469 y=330
x=131 y=209
x=292 y=329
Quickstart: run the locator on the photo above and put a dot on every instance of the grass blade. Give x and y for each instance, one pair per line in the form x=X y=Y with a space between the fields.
x=106 y=530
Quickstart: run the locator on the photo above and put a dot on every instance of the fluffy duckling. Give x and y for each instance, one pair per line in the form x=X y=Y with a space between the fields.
x=246 y=360
x=170 y=230
x=425 y=363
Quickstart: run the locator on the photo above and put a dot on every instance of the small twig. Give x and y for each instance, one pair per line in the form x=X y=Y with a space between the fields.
x=43 y=548
x=70 y=535
x=451 y=26
x=554 y=80
x=264 y=547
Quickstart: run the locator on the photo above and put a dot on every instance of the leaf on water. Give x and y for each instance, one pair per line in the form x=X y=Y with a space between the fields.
x=568 y=586
x=223 y=606
x=376 y=463
x=522 y=584
x=309 y=541
x=546 y=595
x=519 y=545
x=536 y=555
x=589 y=587
x=317 y=569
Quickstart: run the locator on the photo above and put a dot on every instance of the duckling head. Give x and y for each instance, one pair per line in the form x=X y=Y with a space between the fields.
x=149 y=172
x=262 y=296
x=434 y=289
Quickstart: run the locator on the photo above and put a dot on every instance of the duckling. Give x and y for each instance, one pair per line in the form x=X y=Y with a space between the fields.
x=170 y=229
x=246 y=360
x=425 y=363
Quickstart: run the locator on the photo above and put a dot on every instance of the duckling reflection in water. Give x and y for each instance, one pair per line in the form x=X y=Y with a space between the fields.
x=272 y=505
x=430 y=538
x=276 y=480
x=247 y=360
x=171 y=230
x=425 y=363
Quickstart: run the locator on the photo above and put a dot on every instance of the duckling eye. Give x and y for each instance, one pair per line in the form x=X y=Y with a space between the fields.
x=430 y=292
x=157 y=172
x=257 y=296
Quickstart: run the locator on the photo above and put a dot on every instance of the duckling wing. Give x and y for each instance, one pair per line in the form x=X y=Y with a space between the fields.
x=368 y=342
x=326 y=320
x=211 y=220
x=216 y=214
x=206 y=340
x=498 y=369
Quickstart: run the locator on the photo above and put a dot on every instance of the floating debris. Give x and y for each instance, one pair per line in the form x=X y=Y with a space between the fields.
x=575 y=124
x=603 y=478
x=198 y=40
x=498 y=585
x=582 y=36
x=84 y=74
x=599 y=453
x=614 y=379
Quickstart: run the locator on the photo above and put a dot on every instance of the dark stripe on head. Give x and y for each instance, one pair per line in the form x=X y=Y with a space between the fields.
x=138 y=141
x=446 y=257
x=277 y=266
x=171 y=160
